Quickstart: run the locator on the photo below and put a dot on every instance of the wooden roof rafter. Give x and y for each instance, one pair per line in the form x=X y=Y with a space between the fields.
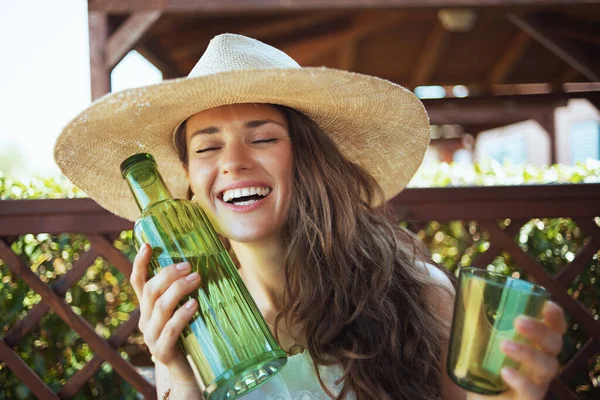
x=569 y=51
x=430 y=55
x=188 y=41
x=511 y=56
x=128 y=35
x=239 y=6
x=308 y=50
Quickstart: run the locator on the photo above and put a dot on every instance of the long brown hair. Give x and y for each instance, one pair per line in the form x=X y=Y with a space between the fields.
x=354 y=280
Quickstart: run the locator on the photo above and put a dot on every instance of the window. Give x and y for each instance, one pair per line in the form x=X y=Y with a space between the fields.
x=585 y=141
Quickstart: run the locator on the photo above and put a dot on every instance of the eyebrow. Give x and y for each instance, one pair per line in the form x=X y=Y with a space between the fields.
x=248 y=125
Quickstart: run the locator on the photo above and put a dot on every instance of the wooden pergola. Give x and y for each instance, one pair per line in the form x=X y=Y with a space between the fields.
x=500 y=50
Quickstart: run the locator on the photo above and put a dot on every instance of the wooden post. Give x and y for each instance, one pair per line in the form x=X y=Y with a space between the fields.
x=99 y=73
x=127 y=36
x=546 y=120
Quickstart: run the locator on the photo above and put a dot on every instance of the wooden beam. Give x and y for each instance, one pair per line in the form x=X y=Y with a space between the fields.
x=128 y=35
x=499 y=110
x=507 y=61
x=169 y=69
x=492 y=110
x=568 y=51
x=430 y=55
x=287 y=26
x=99 y=74
x=58 y=216
x=547 y=121
x=307 y=51
x=347 y=56
x=188 y=42
x=241 y=6
x=567 y=75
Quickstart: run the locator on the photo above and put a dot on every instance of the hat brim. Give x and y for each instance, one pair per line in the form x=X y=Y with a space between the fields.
x=379 y=125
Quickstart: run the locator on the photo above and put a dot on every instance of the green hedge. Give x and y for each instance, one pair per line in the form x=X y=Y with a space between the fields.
x=104 y=297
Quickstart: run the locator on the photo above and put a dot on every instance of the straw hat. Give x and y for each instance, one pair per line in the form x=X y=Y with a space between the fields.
x=379 y=125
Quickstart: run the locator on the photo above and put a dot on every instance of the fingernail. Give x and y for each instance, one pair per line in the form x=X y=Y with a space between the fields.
x=523 y=323
x=144 y=248
x=189 y=304
x=508 y=374
x=183 y=266
x=192 y=277
x=510 y=346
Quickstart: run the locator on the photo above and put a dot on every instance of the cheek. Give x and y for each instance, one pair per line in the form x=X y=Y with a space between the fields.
x=201 y=176
x=285 y=166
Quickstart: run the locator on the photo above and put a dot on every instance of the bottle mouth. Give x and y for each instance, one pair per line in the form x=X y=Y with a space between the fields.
x=135 y=160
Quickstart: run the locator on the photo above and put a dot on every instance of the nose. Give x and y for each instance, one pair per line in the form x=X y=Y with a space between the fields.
x=235 y=158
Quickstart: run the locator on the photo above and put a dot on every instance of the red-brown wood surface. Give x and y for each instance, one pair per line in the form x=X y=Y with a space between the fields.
x=413 y=46
x=485 y=205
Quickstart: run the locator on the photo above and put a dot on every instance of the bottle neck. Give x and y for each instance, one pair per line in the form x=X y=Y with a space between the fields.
x=147 y=185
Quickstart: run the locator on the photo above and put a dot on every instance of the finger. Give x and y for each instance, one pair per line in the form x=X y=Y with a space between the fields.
x=166 y=304
x=525 y=389
x=156 y=286
x=139 y=273
x=554 y=316
x=173 y=329
x=541 y=368
x=540 y=334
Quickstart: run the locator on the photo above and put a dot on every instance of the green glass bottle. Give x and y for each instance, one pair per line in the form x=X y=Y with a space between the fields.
x=228 y=343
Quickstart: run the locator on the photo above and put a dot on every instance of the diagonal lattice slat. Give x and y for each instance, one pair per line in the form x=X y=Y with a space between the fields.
x=484 y=259
x=581 y=260
x=561 y=391
x=483 y=205
x=76 y=322
x=537 y=272
x=71 y=388
x=112 y=255
x=587 y=351
x=506 y=241
x=61 y=286
x=24 y=373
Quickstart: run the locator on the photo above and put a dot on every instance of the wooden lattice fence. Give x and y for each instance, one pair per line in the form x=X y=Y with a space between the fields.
x=486 y=206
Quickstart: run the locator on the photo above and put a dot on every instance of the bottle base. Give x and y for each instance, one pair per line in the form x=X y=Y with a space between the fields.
x=481 y=385
x=246 y=376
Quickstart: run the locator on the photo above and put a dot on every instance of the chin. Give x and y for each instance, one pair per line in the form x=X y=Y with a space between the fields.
x=249 y=234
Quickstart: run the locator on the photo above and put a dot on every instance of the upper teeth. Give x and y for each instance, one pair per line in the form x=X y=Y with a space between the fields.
x=243 y=192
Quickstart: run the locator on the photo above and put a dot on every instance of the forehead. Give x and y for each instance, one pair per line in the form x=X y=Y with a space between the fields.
x=234 y=113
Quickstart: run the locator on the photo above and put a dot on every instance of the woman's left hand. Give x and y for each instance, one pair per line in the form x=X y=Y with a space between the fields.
x=539 y=363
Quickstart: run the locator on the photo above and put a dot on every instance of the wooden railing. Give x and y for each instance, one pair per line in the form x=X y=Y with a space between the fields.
x=485 y=205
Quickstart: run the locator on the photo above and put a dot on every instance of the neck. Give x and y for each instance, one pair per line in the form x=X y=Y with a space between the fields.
x=262 y=270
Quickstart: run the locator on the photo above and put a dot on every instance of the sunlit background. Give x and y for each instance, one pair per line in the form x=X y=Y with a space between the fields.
x=46 y=82
x=46 y=79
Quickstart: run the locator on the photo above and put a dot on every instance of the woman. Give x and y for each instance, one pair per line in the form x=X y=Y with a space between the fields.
x=317 y=151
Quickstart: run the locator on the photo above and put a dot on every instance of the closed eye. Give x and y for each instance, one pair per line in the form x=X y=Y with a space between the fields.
x=265 y=140
x=207 y=149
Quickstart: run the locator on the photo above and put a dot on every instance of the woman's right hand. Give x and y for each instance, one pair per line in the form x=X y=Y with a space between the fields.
x=160 y=324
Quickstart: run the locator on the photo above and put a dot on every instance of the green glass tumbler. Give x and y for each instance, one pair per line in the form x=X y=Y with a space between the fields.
x=485 y=309
x=227 y=343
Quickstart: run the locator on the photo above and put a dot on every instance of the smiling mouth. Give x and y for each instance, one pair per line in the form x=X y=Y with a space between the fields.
x=245 y=196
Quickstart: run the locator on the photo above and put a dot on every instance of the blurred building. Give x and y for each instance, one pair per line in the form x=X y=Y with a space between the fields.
x=577 y=138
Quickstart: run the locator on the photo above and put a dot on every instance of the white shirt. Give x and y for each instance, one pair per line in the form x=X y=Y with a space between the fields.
x=297 y=380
